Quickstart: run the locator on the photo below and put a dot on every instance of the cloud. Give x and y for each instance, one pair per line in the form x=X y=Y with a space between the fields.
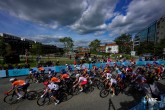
x=93 y=18
x=46 y=12
x=45 y=39
x=140 y=14
x=84 y=16
x=81 y=43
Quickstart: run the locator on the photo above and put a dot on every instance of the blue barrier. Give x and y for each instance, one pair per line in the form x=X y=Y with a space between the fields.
x=119 y=63
x=162 y=62
x=86 y=65
x=59 y=68
x=140 y=63
x=2 y=73
x=47 y=69
x=36 y=69
x=18 y=72
x=126 y=63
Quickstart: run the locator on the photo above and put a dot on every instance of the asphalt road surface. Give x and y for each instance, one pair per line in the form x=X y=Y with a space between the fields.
x=83 y=101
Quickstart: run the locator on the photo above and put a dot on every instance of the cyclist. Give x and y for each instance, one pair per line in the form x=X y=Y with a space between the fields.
x=55 y=80
x=113 y=82
x=82 y=81
x=18 y=84
x=52 y=88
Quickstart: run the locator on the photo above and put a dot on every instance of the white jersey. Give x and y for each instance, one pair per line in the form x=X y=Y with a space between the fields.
x=53 y=86
x=82 y=79
x=113 y=81
x=109 y=75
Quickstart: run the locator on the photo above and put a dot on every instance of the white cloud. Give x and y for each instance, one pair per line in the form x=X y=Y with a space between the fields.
x=140 y=13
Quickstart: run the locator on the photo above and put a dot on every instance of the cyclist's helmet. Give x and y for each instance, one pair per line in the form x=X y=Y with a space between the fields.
x=12 y=79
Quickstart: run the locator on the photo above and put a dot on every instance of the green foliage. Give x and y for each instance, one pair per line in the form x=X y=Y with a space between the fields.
x=68 y=43
x=150 y=47
x=36 y=49
x=124 y=42
x=94 y=45
x=2 y=46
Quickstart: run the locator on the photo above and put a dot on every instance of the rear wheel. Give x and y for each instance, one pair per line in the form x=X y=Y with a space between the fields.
x=100 y=85
x=76 y=91
x=43 y=101
x=104 y=93
x=32 y=95
x=63 y=97
x=10 y=99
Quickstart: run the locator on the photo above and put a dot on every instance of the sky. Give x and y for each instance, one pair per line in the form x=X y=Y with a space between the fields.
x=47 y=21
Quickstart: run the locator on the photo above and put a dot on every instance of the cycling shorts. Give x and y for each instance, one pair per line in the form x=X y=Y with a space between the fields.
x=83 y=83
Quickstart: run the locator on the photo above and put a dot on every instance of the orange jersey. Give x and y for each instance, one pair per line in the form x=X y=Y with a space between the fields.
x=18 y=83
x=64 y=76
x=54 y=79
x=41 y=68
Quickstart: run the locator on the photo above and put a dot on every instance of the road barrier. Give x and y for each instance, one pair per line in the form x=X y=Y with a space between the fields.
x=2 y=73
x=19 y=72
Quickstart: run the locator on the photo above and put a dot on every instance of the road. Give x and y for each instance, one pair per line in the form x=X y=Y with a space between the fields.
x=91 y=101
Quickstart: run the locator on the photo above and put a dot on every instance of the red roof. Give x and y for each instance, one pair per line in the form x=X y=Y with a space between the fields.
x=113 y=44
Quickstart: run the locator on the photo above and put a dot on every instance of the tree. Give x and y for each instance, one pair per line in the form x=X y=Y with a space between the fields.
x=36 y=49
x=2 y=46
x=68 y=43
x=125 y=43
x=94 y=45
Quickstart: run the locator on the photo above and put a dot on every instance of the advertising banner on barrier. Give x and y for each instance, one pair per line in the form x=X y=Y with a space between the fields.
x=162 y=62
x=59 y=68
x=18 y=72
x=140 y=63
x=36 y=69
x=118 y=63
x=2 y=73
x=51 y=68
x=126 y=63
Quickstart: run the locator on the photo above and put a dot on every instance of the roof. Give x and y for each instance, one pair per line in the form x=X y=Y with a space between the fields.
x=112 y=44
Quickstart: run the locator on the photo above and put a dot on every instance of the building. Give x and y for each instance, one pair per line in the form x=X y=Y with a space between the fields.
x=151 y=34
x=21 y=45
x=102 y=48
x=160 y=29
x=111 y=48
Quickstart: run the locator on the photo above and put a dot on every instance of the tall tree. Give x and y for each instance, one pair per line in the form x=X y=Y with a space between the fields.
x=125 y=43
x=94 y=45
x=68 y=43
x=36 y=49
x=2 y=46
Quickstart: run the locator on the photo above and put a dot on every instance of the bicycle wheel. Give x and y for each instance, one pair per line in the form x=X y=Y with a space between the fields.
x=104 y=93
x=100 y=85
x=32 y=95
x=42 y=101
x=63 y=97
x=11 y=99
x=76 y=91
x=117 y=90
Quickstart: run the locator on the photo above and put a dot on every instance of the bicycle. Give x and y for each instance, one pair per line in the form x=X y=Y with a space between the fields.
x=105 y=92
x=12 y=98
x=47 y=99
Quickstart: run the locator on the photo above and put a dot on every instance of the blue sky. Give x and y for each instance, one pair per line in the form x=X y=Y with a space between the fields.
x=83 y=20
